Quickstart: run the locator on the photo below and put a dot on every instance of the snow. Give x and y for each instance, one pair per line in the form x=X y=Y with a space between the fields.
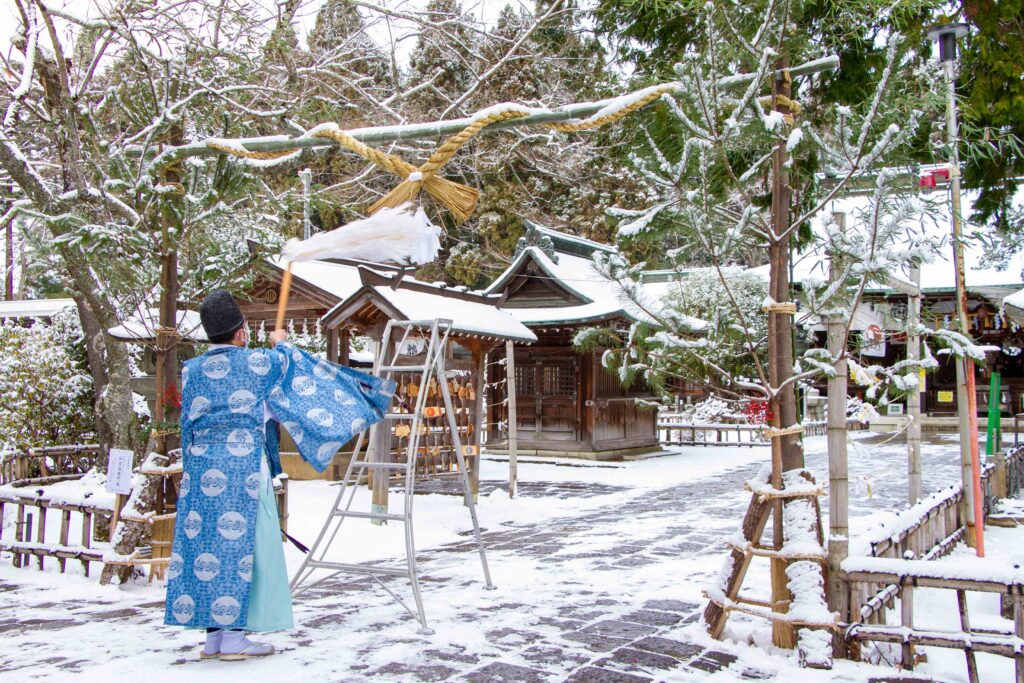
x=34 y=308
x=955 y=568
x=338 y=280
x=933 y=221
x=603 y=298
x=467 y=316
x=676 y=508
x=142 y=326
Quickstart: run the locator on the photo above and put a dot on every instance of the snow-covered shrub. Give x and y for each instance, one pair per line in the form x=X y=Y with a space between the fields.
x=731 y=302
x=45 y=386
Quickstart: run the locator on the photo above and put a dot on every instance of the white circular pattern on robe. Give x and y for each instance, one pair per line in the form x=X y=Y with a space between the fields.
x=225 y=610
x=284 y=363
x=231 y=526
x=245 y=568
x=277 y=396
x=206 y=567
x=185 y=485
x=217 y=366
x=296 y=355
x=183 y=609
x=240 y=443
x=252 y=485
x=213 y=482
x=193 y=524
x=327 y=450
x=358 y=425
x=259 y=363
x=197 y=449
x=303 y=385
x=296 y=431
x=200 y=406
x=174 y=566
x=320 y=417
x=241 y=401
x=325 y=370
x=349 y=401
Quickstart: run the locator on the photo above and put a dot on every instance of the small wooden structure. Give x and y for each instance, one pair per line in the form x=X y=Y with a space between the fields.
x=478 y=327
x=568 y=404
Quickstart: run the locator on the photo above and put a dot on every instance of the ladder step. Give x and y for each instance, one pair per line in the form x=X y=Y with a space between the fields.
x=382 y=465
x=401 y=368
x=370 y=515
x=358 y=568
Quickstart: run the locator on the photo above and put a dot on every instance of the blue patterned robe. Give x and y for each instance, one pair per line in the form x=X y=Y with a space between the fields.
x=224 y=391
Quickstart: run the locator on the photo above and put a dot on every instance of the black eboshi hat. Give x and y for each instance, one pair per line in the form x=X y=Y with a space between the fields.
x=220 y=314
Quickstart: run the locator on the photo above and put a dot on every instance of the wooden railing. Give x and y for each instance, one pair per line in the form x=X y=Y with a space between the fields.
x=47 y=464
x=674 y=431
x=905 y=551
x=962 y=576
x=31 y=517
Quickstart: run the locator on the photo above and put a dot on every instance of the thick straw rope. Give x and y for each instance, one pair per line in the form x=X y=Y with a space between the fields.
x=460 y=199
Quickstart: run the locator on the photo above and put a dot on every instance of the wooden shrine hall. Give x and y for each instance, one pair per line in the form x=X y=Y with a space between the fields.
x=567 y=403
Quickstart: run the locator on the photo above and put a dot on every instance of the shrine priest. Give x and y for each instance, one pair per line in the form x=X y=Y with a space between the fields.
x=227 y=571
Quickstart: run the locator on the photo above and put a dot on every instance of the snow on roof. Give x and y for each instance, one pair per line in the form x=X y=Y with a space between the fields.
x=939 y=275
x=142 y=326
x=604 y=298
x=468 y=317
x=34 y=308
x=339 y=280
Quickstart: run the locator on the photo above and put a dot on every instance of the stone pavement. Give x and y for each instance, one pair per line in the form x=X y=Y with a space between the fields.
x=609 y=593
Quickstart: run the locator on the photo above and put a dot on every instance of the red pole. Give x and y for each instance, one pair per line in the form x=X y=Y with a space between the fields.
x=979 y=513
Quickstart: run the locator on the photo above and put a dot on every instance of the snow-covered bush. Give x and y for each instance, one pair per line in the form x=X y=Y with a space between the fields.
x=729 y=300
x=45 y=386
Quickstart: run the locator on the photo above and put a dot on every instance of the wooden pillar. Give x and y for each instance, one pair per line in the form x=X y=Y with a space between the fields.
x=380 y=451
x=787 y=451
x=838 y=475
x=332 y=345
x=914 y=397
x=479 y=383
x=510 y=390
x=345 y=343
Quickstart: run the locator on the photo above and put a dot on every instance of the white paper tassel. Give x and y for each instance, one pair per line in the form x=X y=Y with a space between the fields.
x=399 y=235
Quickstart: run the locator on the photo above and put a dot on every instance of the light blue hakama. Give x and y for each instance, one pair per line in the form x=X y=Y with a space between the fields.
x=270 y=597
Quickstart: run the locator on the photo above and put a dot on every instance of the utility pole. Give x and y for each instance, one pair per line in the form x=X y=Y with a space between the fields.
x=914 y=396
x=967 y=401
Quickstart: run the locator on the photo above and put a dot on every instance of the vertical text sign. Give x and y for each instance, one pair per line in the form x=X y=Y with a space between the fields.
x=119 y=471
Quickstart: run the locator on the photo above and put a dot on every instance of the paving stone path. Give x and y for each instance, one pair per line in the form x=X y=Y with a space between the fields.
x=609 y=594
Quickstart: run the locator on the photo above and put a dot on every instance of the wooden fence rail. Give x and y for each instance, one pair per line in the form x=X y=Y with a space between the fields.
x=674 y=429
x=31 y=516
x=927 y=532
x=47 y=463
x=960 y=576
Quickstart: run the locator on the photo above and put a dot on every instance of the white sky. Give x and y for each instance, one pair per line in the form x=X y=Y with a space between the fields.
x=384 y=30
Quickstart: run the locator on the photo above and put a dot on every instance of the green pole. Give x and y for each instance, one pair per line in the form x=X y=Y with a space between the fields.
x=993 y=436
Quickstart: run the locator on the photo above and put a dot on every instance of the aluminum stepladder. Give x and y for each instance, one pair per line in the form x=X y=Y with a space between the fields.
x=386 y=366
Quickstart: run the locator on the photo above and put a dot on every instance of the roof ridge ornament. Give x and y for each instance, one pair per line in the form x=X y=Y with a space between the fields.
x=534 y=238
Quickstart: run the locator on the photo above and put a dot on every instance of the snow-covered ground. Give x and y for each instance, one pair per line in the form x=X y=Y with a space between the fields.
x=599 y=569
